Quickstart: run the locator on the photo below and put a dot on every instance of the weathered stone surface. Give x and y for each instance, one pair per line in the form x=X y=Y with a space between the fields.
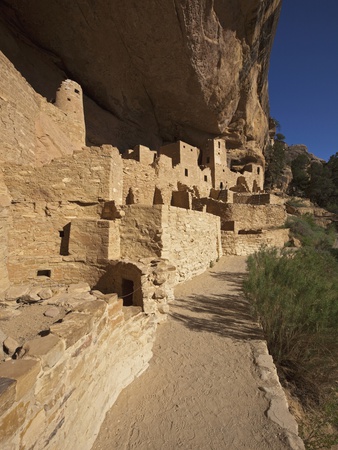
x=23 y=371
x=216 y=82
x=72 y=328
x=53 y=311
x=12 y=422
x=15 y=292
x=49 y=349
x=10 y=345
x=95 y=308
x=45 y=294
x=78 y=288
x=7 y=394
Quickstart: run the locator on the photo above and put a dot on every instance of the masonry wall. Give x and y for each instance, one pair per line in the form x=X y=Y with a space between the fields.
x=32 y=130
x=5 y=222
x=247 y=244
x=255 y=216
x=244 y=215
x=45 y=202
x=83 y=364
x=191 y=240
x=188 y=239
x=141 y=232
x=87 y=176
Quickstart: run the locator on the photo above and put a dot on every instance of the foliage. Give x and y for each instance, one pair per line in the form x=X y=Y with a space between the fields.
x=309 y=233
x=295 y=202
x=280 y=137
x=295 y=297
x=317 y=181
x=275 y=163
x=300 y=176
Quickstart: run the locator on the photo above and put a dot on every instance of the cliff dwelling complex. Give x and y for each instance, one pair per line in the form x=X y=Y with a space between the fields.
x=105 y=232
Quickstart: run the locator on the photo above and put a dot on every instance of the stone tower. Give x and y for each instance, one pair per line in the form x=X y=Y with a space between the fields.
x=69 y=99
x=214 y=155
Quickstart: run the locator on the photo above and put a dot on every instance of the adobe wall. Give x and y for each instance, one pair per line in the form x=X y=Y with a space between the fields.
x=32 y=130
x=40 y=395
x=247 y=244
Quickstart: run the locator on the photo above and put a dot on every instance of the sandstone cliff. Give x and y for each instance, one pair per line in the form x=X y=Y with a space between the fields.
x=152 y=71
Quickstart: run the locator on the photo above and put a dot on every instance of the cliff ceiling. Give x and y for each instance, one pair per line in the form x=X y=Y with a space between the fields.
x=152 y=71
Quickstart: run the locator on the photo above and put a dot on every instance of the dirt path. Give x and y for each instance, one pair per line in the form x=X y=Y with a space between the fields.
x=203 y=389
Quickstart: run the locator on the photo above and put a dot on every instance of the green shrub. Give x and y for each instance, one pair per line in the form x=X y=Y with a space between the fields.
x=309 y=233
x=295 y=297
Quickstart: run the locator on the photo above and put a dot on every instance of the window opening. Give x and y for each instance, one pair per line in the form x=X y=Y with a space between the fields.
x=44 y=273
x=186 y=172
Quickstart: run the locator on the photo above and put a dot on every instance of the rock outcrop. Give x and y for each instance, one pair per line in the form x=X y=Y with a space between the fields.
x=152 y=71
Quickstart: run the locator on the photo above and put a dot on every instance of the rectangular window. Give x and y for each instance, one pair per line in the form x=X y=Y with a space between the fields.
x=44 y=273
x=186 y=172
x=205 y=178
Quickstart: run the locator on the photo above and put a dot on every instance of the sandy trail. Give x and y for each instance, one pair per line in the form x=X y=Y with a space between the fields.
x=202 y=390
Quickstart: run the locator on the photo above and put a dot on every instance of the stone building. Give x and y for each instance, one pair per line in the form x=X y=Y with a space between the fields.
x=127 y=227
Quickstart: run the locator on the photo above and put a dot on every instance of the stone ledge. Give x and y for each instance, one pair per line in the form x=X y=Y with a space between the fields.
x=24 y=372
x=278 y=410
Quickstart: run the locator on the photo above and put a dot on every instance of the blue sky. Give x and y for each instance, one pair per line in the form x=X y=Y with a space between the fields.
x=303 y=78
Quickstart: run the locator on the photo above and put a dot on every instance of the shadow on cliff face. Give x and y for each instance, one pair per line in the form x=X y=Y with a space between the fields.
x=226 y=315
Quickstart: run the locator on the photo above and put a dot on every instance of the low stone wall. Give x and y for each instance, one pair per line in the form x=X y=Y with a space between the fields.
x=191 y=240
x=246 y=244
x=57 y=395
x=188 y=239
x=246 y=216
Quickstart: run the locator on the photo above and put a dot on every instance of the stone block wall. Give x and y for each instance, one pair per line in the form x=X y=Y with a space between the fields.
x=247 y=244
x=190 y=239
x=246 y=216
x=84 y=362
x=256 y=199
x=141 y=180
x=5 y=222
x=255 y=216
x=94 y=241
x=141 y=232
x=32 y=130
x=87 y=176
x=45 y=202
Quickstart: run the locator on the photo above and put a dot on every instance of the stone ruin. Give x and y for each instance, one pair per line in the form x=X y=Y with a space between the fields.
x=108 y=236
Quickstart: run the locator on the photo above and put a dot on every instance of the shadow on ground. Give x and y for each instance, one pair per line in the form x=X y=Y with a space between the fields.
x=227 y=314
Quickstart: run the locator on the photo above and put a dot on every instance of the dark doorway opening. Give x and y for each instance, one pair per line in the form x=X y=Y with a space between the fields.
x=127 y=292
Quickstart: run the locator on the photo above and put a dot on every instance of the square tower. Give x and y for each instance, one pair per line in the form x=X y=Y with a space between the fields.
x=214 y=155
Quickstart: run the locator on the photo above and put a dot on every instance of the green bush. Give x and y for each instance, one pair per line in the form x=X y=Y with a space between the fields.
x=295 y=297
x=309 y=233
